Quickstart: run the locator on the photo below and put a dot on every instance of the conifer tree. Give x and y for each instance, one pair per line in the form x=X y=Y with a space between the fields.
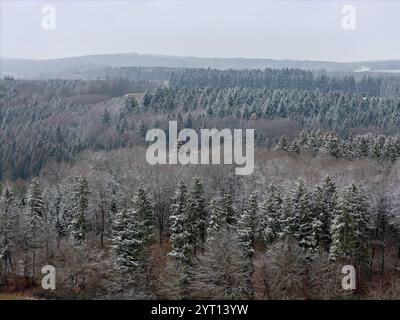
x=126 y=246
x=180 y=246
x=133 y=234
x=8 y=228
x=362 y=221
x=145 y=216
x=147 y=99
x=229 y=211
x=131 y=103
x=80 y=203
x=283 y=144
x=381 y=226
x=325 y=206
x=247 y=226
x=299 y=217
x=350 y=227
x=269 y=226
x=246 y=231
x=34 y=235
x=216 y=221
x=294 y=148
x=332 y=145
x=197 y=215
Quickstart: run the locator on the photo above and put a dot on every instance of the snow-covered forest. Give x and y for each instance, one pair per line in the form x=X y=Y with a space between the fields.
x=76 y=191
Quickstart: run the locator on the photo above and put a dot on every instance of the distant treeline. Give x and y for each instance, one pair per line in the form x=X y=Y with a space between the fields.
x=285 y=78
x=334 y=109
x=111 y=87
x=385 y=86
x=372 y=146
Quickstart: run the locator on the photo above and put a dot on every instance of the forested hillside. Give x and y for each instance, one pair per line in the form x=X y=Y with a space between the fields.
x=77 y=191
x=80 y=66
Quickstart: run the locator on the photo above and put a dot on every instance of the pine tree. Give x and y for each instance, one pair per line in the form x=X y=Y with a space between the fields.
x=145 y=216
x=8 y=228
x=350 y=227
x=147 y=99
x=197 y=215
x=298 y=216
x=229 y=211
x=36 y=208
x=34 y=235
x=305 y=235
x=294 y=148
x=80 y=203
x=343 y=232
x=131 y=103
x=133 y=234
x=325 y=206
x=246 y=231
x=269 y=226
x=126 y=246
x=247 y=226
x=216 y=221
x=332 y=145
x=180 y=246
x=362 y=221
x=381 y=226
x=283 y=144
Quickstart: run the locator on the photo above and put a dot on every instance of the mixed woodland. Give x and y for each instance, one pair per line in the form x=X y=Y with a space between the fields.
x=76 y=191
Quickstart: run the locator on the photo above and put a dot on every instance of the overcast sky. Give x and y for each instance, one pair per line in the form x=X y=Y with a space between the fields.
x=254 y=29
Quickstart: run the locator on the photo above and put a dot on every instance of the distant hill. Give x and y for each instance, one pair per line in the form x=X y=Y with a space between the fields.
x=71 y=67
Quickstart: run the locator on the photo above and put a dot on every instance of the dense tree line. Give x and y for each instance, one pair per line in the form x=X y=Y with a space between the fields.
x=285 y=79
x=320 y=224
x=333 y=109
x=372 y=146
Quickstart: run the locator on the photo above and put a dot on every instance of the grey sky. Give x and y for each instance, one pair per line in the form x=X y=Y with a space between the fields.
x=254 y=29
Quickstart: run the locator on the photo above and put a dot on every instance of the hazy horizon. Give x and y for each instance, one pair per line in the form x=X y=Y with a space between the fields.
x=192 y=56
x=304 y=30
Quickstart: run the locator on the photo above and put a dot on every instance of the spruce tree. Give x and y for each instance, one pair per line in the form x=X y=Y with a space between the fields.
x=298 y=216
x=8 y=227
x=179 y=225
x=131 y=103
x=145 y=216
x=332 y=145
x=197 y=214
x=269 y=226
x=34 y=235
x=229 y=211
x=362 y=221
x=216 y=221
x=80 y=203
x=133 y=234
x=325 y=206
x=380 y=228
x=246 y=230
x=126 y=246
x=283 y=144
x=350 y=227
x=247 y=226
